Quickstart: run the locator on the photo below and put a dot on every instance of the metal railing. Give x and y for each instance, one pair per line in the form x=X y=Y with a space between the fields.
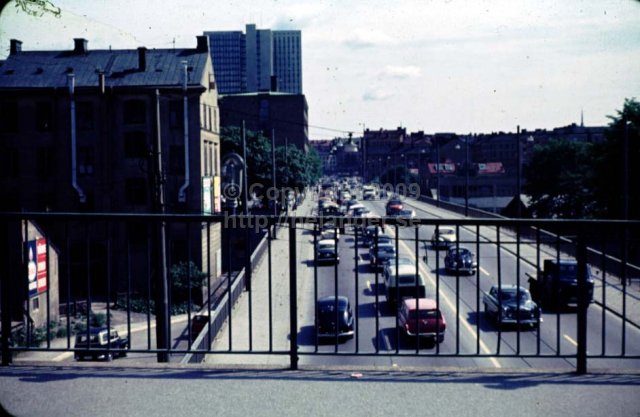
x=106 y=270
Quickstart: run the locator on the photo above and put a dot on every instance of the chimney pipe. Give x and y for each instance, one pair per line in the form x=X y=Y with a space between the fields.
x=80 y=46
x=16 y=47
x=142 y=59
x=203 y=43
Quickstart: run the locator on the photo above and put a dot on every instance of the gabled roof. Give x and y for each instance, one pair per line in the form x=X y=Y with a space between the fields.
x=122 y=68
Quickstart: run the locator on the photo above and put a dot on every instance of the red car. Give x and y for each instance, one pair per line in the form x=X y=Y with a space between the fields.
x=421 y=319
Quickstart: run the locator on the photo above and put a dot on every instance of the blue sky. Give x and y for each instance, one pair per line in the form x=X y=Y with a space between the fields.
x=438 y=66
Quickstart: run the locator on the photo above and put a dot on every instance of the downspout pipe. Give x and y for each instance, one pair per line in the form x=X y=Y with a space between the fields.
x=182 y=194
x=74 y=156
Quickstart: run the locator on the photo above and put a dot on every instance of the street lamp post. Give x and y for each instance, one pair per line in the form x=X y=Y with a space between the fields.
x=466 y=176
x=438 y=172
x=518 y=174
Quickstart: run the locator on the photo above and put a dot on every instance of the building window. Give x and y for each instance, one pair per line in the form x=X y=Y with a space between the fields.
x=176 y=114
x=35 y=304
x=45 y=162
x=9 y=116
x=135 y=112
x=85 y=160
x=44 y=116
x=84 y=115
x=135 y=145
x=9 y=162
x=135 y=191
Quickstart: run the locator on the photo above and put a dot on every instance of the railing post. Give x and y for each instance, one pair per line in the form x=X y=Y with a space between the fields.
x=5 y=290
x=293 y=296
x=583 y=304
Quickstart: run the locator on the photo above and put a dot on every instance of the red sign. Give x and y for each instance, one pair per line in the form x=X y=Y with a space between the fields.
x=41 y=260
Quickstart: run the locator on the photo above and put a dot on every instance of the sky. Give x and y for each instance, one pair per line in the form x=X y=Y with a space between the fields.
x=458 y=66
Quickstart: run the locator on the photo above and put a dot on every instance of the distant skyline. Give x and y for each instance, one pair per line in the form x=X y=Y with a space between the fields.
x=437 y=66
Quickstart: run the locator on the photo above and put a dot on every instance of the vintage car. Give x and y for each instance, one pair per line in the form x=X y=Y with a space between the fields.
x=443 y=237
x=421 y=319
x=327 y=251
x=334 y=318
x=510 y=304
x=460 y=260
x=100 y=343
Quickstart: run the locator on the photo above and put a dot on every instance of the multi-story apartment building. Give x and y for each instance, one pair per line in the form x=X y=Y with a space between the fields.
x=258 y=60
x=78 y=129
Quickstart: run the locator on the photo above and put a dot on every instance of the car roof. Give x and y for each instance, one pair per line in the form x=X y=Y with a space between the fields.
x=443 y=228
x=403 y=269
x=421 y=304
x=330 y=299
x=509 y=288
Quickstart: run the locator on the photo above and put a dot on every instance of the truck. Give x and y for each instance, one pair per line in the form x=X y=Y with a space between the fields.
x=556 y=285
x=368 y=192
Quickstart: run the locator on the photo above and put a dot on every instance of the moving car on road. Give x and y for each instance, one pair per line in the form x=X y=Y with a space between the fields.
x=327 y=251
x=443 y=237
x=334 y=318
x=460 y=260
x=379 y=254
x=394 y=205
x=403 y=283
x=421 y=319
x=510 y=304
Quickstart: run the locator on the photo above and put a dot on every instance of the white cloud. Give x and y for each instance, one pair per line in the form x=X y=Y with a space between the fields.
x=377 y=94
x=368 y=38
x=402 y=72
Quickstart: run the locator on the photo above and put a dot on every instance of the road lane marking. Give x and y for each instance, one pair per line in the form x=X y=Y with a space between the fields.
x=484 y=271
x=570 y=340
x=451 y=305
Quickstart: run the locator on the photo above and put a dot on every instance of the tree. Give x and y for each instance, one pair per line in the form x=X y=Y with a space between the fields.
x=611 y=170
x=559 y=180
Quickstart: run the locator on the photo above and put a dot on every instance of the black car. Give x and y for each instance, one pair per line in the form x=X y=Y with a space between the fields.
x=460 y=260
x=327 y=251
x=394 y=206
x=334 y=317
x=510 y=304
x=100 y=343
x=381 y=254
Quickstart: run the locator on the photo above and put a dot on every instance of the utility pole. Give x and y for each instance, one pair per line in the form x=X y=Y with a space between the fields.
x=518 y=175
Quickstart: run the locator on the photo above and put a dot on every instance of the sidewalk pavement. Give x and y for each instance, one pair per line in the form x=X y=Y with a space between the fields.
x=181 y=390
x=617 y=296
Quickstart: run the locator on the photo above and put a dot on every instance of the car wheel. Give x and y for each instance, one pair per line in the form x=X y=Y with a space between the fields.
x=108 y=357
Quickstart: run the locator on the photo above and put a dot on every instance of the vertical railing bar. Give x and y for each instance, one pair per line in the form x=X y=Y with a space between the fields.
x=88 y=263
x=271 y=231
x=48 y=284
x=554 y=287
x=397 y=284
x=293 y=297
x=357 y=291
x=499 y=268
x=335 y=289
x=316 y=231
x=148 y=283
x=417 y=252
x=457 y=291
x=537 y=288
x=108 y=260
x=437 y=256
x=478 y=333
x=249 y=278
x=377 y=295
x=583 y=304
x=68 y=273
x=603 y=268
x=25 y=268
x=625 y=260
x=208 y=226
x=518 y=288
x=189 y=297
x=229 y=294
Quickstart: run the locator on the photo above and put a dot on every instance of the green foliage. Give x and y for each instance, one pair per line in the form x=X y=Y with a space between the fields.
x=559 y=179
x=568 y=179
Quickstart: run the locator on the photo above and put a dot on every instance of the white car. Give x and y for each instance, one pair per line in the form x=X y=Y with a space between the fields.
x=444 y=236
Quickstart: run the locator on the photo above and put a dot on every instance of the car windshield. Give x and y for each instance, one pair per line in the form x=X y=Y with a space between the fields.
x=407 y=279
x=325 y=246
x=511 y=294
x=445 y=231
x=460 y=252
x=82 y=338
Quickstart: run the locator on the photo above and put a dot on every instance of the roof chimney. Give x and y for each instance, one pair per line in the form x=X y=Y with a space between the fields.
x=203 y=43
x=79 y=46
x=16 y=47
x=142 y=58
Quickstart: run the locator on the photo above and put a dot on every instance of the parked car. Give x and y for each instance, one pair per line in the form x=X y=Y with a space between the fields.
x=394 y=205
x=327 y=251
x=510 y=304
x=100 y=343
x=459 y=260
x=443 y=236
x=379 y=254
x=334 y=317
x=403 y=283
x=421 y=319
